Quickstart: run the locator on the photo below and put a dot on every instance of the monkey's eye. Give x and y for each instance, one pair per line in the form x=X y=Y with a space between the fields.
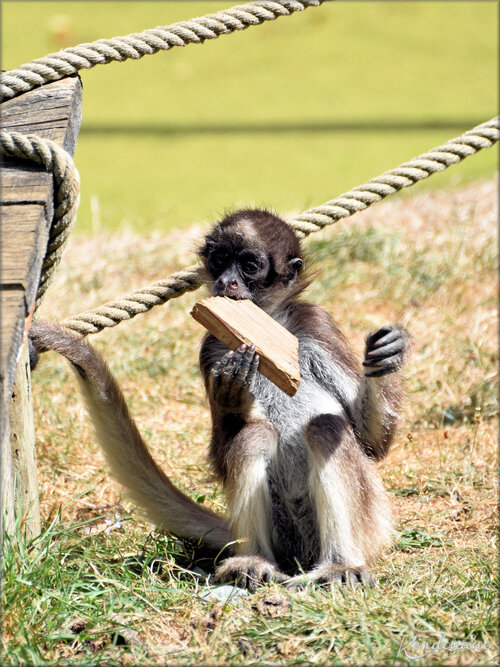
x=216 y=263
x=251 y=264
x=250 y=267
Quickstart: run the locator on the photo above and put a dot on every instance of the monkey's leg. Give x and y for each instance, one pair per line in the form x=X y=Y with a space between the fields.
x=249 y=507
x=340 y=488
x=243 y=444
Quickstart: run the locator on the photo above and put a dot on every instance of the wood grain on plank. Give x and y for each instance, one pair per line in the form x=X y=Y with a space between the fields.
x=234 y=322
x=52 y=111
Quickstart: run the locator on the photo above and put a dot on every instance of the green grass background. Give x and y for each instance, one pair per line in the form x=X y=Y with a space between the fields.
x=287 y=114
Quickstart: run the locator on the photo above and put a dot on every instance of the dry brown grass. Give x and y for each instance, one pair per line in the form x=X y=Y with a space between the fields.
x=427 y=261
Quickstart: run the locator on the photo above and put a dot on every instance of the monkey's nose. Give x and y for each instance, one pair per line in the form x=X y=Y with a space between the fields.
x=233 y=285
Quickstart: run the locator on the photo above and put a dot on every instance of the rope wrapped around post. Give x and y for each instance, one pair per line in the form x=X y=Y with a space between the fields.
x=66 y=192
x=194 y=31
x=312 y=220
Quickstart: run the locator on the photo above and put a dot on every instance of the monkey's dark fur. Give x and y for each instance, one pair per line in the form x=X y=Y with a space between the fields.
x=304 y=501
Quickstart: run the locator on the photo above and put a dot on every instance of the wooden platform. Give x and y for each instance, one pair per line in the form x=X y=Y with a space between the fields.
x=27 y=193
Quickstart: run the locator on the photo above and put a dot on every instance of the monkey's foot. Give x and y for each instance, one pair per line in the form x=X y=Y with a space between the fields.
x=249 y=572
x=333 y=574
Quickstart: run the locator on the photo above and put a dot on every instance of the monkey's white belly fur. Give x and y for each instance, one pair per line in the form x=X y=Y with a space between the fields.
x=291 y=414
x=288 y=464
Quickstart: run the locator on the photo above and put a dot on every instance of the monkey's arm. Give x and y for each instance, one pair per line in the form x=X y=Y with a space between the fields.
x=243 y=441
x=127 y=455
x=378 y=405
x=228 y=376
x=372 y=401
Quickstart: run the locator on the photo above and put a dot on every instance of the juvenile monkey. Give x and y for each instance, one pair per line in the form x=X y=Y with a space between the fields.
x=304 y=501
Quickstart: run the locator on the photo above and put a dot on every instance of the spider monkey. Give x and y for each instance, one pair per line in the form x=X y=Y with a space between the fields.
x=304 y=500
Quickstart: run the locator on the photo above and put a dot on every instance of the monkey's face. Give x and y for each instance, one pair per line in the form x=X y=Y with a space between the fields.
x=253 y=255
x=238 y=271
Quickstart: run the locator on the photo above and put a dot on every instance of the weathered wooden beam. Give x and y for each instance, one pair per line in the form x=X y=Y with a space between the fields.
x=236 y=322
x=26 y=208
x=22 y=442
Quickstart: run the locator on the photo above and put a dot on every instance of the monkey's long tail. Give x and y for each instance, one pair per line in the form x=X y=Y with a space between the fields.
x=127 y=455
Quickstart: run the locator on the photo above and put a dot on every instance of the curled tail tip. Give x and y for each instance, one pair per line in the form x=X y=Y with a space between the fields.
x=39 y=335
x=44 y=335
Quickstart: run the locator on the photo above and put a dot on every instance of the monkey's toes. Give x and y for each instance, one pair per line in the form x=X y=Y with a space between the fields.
x=333 y=574
x=248 y=572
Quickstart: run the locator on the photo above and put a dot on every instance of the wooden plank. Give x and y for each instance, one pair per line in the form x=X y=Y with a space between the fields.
x=11 y=330
x=12 y=309
x=52 y=112
x=24 y=238
x=240 y=321
x=27 y=183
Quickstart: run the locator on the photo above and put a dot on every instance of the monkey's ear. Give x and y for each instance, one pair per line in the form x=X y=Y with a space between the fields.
x=295 y=264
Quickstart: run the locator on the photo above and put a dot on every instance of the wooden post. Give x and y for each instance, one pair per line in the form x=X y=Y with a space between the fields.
x=52 y=111
x=7 y=519
x=22 y=443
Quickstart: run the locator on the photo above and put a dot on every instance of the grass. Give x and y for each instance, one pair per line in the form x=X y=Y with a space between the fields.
x=99 y=586
x=289 y=114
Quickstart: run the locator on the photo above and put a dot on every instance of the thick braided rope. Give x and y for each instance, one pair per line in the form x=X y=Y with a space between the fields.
x=84 y=56
x=112 y=313
x=66 y=192
x=312 y=220
x=408 y=173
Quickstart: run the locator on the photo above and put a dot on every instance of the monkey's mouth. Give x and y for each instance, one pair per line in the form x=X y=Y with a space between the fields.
x=236 y=297
x=232 y=294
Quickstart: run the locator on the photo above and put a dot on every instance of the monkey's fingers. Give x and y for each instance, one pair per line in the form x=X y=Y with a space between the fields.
x=246 y=360
x=379 y=372
x=386 y=350
x=393 y=362
x=379 y=335
x=235 y=360
x=332 y=574
x=248 y=572
x=226 y=367
x=221 y=364
x=366 y=578
x=252 y=371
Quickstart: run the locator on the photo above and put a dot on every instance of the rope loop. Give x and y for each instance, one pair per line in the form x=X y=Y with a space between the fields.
x=66 y=192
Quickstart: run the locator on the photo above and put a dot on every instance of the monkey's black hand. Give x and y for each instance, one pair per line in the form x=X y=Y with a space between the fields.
x=231 y=377
x=385 y=350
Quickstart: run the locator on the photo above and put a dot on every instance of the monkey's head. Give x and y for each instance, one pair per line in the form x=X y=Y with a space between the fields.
x=253 y=254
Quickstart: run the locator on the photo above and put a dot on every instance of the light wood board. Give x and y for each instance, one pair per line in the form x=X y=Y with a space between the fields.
x=234 y=322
